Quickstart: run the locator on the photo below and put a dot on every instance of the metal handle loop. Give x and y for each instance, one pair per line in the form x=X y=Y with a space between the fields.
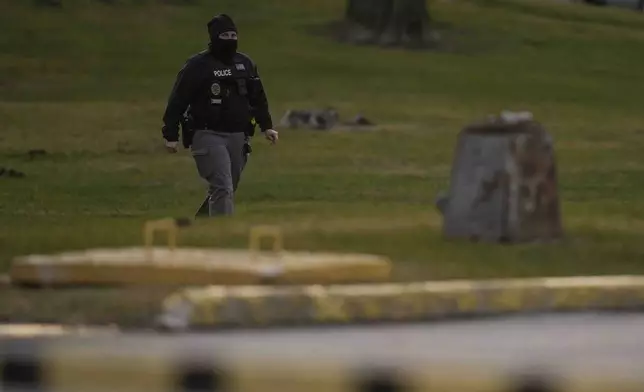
x=257 y=233
x=168 y=226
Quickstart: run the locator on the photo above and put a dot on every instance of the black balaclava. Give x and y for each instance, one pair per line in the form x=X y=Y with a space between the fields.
x=223 y=50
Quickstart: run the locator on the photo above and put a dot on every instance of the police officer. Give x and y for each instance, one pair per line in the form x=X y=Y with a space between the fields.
x=224 y=92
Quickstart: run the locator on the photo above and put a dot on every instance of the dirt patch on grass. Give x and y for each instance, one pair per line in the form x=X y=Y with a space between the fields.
x=604 y=223
x=364 y=224
x=443 y=37
x=585 y=145
x=317 y=224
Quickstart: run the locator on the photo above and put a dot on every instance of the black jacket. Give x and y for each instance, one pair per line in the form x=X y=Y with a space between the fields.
x=221 y=97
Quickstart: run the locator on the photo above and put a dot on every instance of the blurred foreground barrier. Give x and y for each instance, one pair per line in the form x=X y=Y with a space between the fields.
x=154 y=364
x=150 y=265
x=257 y=306
x=34 y=330
x=503 y=183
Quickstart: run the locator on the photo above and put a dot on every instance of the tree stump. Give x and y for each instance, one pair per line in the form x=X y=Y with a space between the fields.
x=503 y=184
x=388 y=22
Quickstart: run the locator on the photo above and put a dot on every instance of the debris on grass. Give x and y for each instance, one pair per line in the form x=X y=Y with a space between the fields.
x=36 y=153
x=8 y=172
x=320 y=119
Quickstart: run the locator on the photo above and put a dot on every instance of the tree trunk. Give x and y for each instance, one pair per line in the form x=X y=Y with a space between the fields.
x=388 y=22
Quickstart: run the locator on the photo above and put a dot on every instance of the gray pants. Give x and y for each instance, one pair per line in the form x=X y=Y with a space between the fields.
x=220 y=158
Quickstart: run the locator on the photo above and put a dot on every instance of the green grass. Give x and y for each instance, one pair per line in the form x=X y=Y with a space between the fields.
x=88 y=83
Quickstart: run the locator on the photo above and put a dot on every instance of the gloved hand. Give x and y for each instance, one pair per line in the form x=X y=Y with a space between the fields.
x=171 y=147
x=271 y=135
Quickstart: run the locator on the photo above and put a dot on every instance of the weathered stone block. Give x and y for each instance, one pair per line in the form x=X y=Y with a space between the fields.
x=503 y=184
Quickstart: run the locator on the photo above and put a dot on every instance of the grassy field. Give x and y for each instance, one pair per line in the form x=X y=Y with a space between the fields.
x=88 y=84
